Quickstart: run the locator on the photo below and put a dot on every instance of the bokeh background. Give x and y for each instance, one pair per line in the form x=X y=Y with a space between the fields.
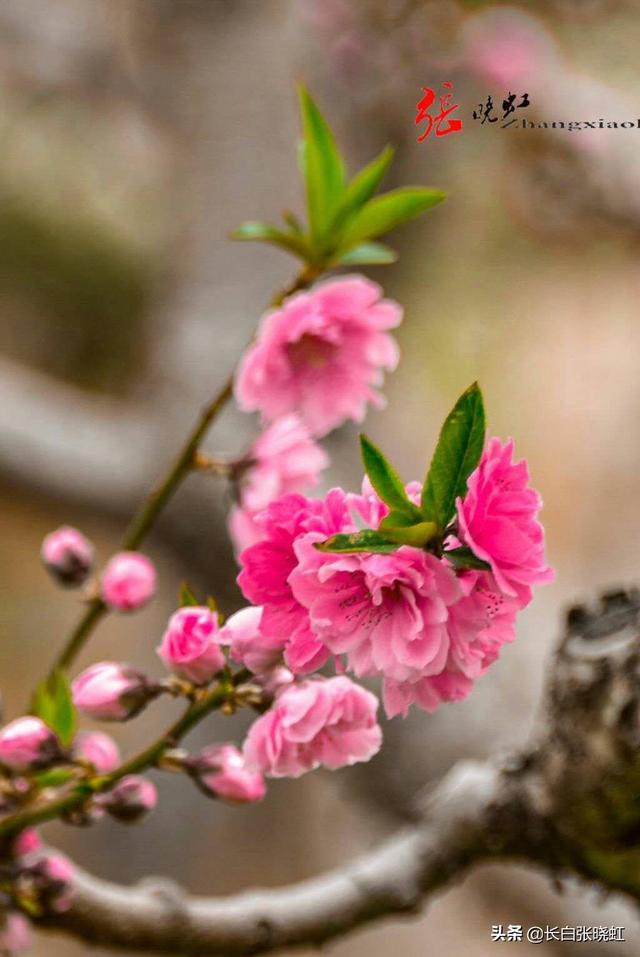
x=135 y=135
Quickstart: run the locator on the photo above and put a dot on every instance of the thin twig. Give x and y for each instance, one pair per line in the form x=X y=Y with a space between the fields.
x=151 y=509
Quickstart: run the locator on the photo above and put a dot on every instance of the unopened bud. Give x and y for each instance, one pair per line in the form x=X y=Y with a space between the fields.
x=97 y=749
x=190 y=648
x=27 y=744
x=220 y=771
x=111 y=691
x=128 y=581
x=27 y=842
x=15 y=934
x=130 y=799
x=67 y=555
x=47 y=882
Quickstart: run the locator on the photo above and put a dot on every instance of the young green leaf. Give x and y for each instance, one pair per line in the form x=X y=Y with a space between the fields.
x=293 y=222
x=187 y=597
x=262 y=232
x=399 y=528
x=385 y=212
x=457 y=454
x=366 y=254
x=322 y=166
x=53 y=778
x=365 y=541
x=53 y=703
x=463 y=557
x=363 y=186
x=386 y=480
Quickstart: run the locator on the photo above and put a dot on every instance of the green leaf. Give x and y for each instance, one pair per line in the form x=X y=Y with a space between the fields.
x=52 y=702
x=322 y=166
x=293 y=222
x=53 y=778
x=363 y=185
x=366 y=254
x=463 y=557
x=386 y=212
x=364 y=541
x=187 y=597
x=457 y=454
x=262 y=232
x=401 y=529
x=386 y=480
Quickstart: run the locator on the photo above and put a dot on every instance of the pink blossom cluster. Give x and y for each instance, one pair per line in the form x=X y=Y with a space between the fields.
x=407 y=617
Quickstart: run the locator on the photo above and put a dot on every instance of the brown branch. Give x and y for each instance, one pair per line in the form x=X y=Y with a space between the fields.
x=568 y=804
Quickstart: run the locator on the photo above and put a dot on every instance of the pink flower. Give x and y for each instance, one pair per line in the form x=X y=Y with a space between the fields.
x=67 y=555
x=27 y=743
x=110 y=691
x=128 y=581
x=283 y=459
x=131 y=799
x=267 y=565
x=248 y=645
x=190 y=647
x=321 y=354
x=15 y=933
x=497 y=519
x=98 y=749
x=220 y=771
x=387 y=613
x=478 y=625
x=318 y=722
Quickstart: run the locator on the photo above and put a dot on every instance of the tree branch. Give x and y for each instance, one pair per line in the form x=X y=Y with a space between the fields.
x=394 y=878
x=568 y=804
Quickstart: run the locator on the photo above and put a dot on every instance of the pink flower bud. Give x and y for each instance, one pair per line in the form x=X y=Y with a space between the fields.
x=128 y=581
x=15 y=934
x=51 y=877
x=255 y=650
x=110 y=691
x=98 y=749
x=220 y=771
x=67 y=555
x=190 y=646
x=130 y=799
x=27 y=744
x=28 y=842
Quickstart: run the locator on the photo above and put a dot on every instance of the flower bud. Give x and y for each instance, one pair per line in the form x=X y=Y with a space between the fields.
x=27 y=744
x=248 y=645
x=47 y=881
x=15 y=933
x=128 y=581
x=67 y=555
x=130 y=799
x=189 y=646
x=110 y=691
x=27 y=842
x=220 y=772
x=97 y=749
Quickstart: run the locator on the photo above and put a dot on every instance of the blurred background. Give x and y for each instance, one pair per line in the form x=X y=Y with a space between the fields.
x=135 y=135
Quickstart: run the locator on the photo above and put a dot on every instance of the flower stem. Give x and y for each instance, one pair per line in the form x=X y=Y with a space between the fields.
x=151 y=509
